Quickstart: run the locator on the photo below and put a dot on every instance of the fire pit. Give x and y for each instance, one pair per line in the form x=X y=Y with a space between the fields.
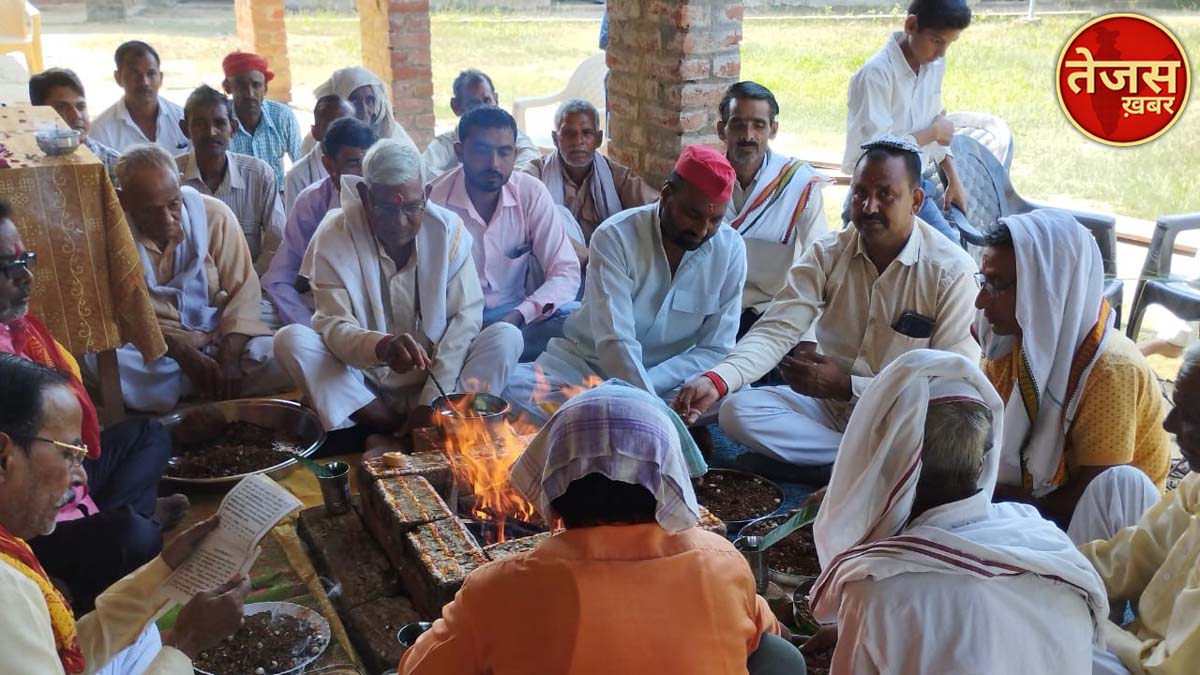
x=441 y=513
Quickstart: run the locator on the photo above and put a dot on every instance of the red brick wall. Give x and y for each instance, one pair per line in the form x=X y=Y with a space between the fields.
x=669 y=64
x=396 y=47
x=261 y=29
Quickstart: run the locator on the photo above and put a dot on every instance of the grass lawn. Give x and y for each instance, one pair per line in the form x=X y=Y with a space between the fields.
x=1000 y=65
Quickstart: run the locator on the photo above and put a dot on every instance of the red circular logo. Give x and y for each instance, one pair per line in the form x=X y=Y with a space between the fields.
x=1123 y=79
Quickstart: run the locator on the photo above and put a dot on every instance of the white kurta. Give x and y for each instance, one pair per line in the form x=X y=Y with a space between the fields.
x=334 y=362
x=638 y=322
x=772 y=247
x=303 y=173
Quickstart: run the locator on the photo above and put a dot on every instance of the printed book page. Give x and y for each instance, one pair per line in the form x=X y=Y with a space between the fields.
x=247 y=513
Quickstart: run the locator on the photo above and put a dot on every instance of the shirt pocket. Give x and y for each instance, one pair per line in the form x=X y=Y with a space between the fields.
x=898 y=344
x=692 y=302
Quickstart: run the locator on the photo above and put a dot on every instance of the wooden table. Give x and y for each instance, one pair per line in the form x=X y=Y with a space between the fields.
x=88 y=286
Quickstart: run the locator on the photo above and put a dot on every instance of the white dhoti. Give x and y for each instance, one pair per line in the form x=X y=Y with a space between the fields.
x=783 y=425
x=1106 y=663
x=336 y=390
x=158 y=386
x=1114 y=500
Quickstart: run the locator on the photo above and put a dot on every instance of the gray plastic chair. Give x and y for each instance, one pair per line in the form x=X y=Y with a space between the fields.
x=1155 y=285
x=990 y=196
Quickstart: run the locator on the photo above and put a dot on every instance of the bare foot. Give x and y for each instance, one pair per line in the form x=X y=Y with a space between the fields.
x=169 y=511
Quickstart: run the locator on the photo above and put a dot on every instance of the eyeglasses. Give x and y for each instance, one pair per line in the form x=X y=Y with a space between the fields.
x=24 y=261
x=75 y=454
x=411 y=210
x=991 y=288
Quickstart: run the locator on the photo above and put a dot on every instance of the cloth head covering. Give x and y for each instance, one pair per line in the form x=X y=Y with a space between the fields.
x=893 y=142
x=1066 y=323
x=874 y=479
x=708 y=171
x=189 y=287
x=344 y=81
x=624 y=434
x=863 y=531
x=240 y=62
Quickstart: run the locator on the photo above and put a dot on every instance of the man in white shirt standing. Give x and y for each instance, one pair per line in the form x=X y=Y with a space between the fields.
x=898 y=91
x=886 y=286
x=662 y=297
x=472 y=89
x=776 y=204
x=141 y=116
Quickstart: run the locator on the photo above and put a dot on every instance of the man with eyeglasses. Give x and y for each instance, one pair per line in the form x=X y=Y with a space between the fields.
x=115 y=515
x=1083 y=419
x=42 y=425
x=398 y=306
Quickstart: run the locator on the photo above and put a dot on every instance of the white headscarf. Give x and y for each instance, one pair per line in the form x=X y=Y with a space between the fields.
x=863 y=529
x=624 y=434
x=344 y=81
x=1060 y=298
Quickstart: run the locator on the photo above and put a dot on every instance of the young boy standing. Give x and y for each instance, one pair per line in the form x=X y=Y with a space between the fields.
x=898 y=91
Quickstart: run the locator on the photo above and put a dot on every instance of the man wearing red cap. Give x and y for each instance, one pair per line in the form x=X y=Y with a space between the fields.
x=662 y=297
x=265 y=129
x=886 y=286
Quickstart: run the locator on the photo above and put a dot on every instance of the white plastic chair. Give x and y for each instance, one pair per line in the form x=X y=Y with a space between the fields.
x=991 y=132
x=21 y=31
x=587 y=83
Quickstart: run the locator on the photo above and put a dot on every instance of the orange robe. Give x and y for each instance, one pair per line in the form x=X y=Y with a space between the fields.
x=611 y=599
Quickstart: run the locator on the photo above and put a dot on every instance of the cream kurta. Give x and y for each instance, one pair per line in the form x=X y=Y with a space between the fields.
x=1157 y=564
x=355 y=345
x=232 y=282
x=631 y=191
x=854 y=307
x=122 y=612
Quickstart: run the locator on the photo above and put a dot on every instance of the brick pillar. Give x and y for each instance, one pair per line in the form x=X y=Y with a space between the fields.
x=396 y=47
x=669 y=62
x=260 y=29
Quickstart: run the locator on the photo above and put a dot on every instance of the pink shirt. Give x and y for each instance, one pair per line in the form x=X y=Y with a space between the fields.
x=524 y=230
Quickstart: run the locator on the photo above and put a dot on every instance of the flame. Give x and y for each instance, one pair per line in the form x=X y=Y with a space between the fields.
x=482 y=452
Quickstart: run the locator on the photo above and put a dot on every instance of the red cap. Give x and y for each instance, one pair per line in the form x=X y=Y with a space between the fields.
x=240 y=62
x=707 y=170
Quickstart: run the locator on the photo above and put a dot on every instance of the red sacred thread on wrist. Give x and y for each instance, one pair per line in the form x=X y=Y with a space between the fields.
x=719 y=383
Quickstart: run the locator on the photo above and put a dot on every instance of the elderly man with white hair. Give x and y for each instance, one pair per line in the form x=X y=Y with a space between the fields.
x=398 y=305
x=920 y=570
x=1083 y=419
x=203 y=288
x=591 y=186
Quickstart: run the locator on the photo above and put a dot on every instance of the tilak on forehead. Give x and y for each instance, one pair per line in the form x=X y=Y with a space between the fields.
x=709 y=172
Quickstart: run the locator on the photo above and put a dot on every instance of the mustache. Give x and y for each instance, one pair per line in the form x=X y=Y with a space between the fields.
x=66 y=498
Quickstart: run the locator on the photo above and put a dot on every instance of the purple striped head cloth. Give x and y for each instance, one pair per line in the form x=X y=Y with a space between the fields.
x=624 y=434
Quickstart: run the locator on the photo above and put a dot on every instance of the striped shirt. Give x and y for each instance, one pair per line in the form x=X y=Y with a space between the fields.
x=277 y=133
x=248 y=189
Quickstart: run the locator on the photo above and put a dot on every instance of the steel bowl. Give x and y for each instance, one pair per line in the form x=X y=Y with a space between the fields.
x=469 y=404
x=306 y=614
x=55 y=142
x=734 y=527
x=273 y=414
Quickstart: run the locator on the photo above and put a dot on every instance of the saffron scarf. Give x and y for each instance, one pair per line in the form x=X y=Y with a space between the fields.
x=16 y=553
x=32 y=340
